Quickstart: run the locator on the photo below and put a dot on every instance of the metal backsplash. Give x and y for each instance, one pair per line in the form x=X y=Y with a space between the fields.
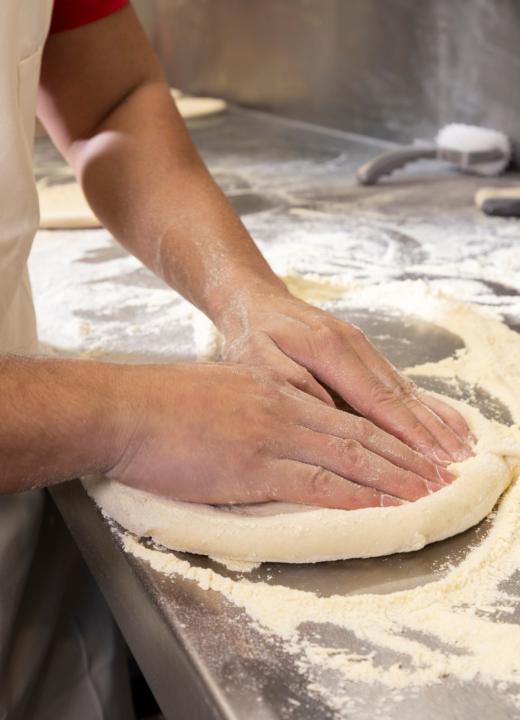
x=397 y=69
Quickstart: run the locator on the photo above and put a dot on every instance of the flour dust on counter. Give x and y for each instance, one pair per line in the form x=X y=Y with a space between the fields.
x=453 y=630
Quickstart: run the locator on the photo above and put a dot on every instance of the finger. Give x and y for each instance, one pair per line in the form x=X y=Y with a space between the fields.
x=448 y=446
x=350 y=460
x=299 y=376
x=267 y=352
x=340 y=368
x=344 y=425
x=396 y=411
x=313 y=485
x=405 y=393
x=450 y=416
x=293 y=392
x=303 y=380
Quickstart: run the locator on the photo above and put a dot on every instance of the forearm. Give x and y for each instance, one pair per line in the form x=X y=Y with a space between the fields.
x=130 y=149
x=58 y=420
x=146 y=182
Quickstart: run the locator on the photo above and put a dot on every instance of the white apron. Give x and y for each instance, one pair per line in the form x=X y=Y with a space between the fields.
x=60 y=657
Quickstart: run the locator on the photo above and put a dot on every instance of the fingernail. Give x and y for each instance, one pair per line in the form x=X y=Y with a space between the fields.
x=442 y=455
x=390 y=500
x=436 y=453
x=463 y=454
x=444 y=475
x=433 y=486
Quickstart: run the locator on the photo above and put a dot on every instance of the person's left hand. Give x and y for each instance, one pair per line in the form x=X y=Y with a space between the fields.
x=309 y=346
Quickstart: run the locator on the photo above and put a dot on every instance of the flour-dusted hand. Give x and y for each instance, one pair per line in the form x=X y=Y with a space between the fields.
x=307 y=345
x=233 y=434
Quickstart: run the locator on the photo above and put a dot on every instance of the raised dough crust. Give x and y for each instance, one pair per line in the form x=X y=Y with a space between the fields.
x=276 y=532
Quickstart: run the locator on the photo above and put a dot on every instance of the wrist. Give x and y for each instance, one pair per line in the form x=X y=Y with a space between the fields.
x=96 y=420
x=122 y=394
x=234 y=307
x=111 y=416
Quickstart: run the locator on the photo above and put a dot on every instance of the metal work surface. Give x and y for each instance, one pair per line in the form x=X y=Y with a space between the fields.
x=202 y=656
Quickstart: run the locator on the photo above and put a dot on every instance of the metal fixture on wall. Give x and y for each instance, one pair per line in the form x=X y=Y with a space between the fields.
x=397 y=69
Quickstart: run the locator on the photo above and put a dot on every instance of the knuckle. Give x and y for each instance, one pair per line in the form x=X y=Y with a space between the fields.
x=366 y=431
x=417 y=429
x=399 y=393
x=410 y=385
x=353 y=452
x=268 y=377
x=271 y=374
x=336 y=445
x=254 y=419
x=325 y=336
x=354 y=332
x=405 y=391
x=381 y=395
x=259 y=449
x=319 y=482
x=269 y=410
x=303 y=379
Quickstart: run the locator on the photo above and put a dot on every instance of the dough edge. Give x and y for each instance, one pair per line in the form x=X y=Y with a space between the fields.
x=319 y=534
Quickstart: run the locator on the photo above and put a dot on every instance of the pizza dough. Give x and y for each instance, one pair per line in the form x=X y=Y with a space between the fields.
x=489 y=362
x=62 y=202
x=278 y=532
x=63 y=206
x=197 y=107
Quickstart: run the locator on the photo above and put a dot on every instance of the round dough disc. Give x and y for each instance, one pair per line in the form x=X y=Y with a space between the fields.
x=279 y=532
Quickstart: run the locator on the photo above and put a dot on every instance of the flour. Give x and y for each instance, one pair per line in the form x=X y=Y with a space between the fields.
x=460 y=627
x=459 y=612
x=241 y=566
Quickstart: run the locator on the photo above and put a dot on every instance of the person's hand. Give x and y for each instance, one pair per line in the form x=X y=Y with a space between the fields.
x=308 y=347
x=218 y=433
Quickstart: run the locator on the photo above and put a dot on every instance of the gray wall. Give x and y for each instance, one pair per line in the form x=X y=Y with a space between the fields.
x=397 y=69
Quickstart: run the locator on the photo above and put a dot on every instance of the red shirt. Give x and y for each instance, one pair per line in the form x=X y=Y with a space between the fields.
x=69 y=14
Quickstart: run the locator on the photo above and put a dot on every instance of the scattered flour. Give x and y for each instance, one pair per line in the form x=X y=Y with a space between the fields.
x=241 y=566
x=461 y=626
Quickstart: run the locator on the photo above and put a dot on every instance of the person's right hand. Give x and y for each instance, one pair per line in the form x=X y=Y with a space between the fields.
x=221 y=433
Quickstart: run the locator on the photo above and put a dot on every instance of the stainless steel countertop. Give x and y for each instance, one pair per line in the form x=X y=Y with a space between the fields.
x=202 y=657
